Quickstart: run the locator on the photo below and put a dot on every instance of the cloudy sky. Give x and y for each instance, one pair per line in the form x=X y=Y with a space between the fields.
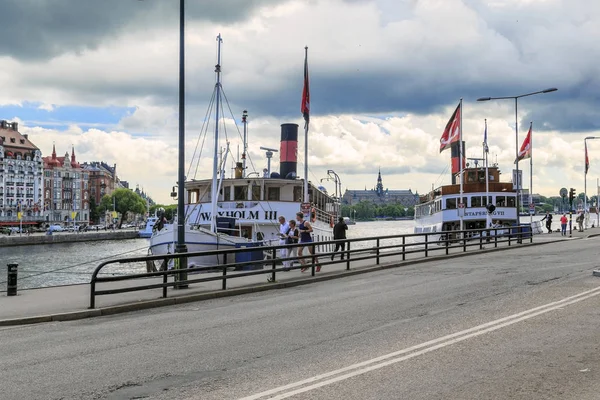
x=385 y=77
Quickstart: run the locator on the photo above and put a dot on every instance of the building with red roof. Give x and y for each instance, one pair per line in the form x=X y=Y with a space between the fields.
x=66 y=189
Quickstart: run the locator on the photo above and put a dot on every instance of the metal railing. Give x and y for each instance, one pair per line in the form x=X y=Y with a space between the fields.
x=374 y=248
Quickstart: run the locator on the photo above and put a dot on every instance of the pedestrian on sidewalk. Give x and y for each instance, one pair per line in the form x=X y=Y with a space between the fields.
x=305 y=229
x=548 y=218
x=291 y=238
x=339 y=232
x=563 y=225
x=283 y=231
x=579 y=220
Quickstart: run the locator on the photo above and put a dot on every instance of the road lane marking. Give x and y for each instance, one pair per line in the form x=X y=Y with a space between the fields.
x=321 y=380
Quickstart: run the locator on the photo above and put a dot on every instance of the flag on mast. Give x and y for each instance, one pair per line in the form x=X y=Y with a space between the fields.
x=525 y=151
x=305 y=106
x=587 y=160
x=451 y=131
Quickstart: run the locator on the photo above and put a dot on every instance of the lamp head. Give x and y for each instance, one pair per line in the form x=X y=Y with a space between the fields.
x=484 y=99
x=549 y=90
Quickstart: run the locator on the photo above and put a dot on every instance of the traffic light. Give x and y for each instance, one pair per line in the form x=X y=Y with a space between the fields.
x=571 y=195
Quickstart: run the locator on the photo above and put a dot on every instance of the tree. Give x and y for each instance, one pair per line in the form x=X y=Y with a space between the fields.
x=124 y=200
x=170 y=210
x=94 y=212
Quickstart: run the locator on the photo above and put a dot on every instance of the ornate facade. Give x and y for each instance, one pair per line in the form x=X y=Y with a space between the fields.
x=379 y=195
x=21 y=182
x=66 y=189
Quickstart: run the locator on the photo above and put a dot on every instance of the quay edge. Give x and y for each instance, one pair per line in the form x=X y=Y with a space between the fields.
x=6 y=241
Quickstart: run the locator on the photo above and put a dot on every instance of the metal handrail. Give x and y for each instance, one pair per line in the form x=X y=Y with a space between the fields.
x=467 y=238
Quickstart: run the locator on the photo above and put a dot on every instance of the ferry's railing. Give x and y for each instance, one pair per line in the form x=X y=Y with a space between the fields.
x=359 y=249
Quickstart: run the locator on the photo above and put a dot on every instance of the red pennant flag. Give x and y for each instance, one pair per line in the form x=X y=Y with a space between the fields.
x=587 y=160
x=525 y=151
x=452 y=131
x=305 y=106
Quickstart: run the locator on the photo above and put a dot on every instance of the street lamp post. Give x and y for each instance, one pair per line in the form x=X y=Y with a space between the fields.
x=585 y=165
x=516 y=98
x=180 y=246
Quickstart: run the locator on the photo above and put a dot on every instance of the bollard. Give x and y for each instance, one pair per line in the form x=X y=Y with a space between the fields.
x=11 y=282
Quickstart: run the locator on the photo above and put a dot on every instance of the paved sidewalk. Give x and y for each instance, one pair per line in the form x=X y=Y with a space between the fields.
x=71 y=302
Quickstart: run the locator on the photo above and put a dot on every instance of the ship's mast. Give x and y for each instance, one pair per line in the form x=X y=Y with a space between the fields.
x=214 y=189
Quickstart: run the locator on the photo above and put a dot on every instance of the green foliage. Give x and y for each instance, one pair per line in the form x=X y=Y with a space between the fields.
x=366 y=210
x=170 y=210
x=124 y=200
x=94 y=211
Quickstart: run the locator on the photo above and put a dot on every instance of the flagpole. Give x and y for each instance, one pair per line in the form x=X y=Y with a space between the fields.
x=531 y=176
x=584 y=176
x=305 y=131
x=460 y=160
x=487 y=175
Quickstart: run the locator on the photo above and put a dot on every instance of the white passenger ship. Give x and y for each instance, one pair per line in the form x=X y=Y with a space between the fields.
x=440 y=210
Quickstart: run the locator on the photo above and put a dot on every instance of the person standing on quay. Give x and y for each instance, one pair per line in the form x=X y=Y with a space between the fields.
x=563 y=225
x=305 y=229
x=283 y=231
x=548 y=218
x=339 y=232
x=291 y=238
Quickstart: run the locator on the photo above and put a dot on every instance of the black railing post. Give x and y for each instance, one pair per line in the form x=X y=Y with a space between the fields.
x=93 y=293
x=224 y=279
x=426 y=245
x=348 y=257
x=377 y=258
x=531 y=233
x=464 y=238
x=314 y=260
x=447 y=240
x=481 y=240
x=165 y=281
x=274 y=265
x=495 y=237
x=509 y=236
x=403 y=248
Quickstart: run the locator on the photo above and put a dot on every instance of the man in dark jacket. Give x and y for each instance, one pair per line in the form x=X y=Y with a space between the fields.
x=339 y=232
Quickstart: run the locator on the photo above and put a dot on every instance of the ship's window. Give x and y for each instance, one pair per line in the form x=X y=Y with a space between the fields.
x=255 y=192
x=511 y=201
x=476 y=201
x=450 y=204
x=489 y=200
x=273 y=194
x=227 y=193
x=501 y=201
x=240 y=192
x=298 y=193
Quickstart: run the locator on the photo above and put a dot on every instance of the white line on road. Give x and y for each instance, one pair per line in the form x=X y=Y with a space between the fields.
x=321 y=380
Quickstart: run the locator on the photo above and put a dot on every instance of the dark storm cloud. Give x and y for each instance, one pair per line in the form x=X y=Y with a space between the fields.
x=41 y=29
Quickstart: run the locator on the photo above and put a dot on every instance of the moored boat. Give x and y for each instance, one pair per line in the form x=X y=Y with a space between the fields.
x=442 y=209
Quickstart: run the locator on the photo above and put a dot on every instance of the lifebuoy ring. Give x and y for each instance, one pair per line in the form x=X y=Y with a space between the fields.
x=331 y=221
x=313 y=215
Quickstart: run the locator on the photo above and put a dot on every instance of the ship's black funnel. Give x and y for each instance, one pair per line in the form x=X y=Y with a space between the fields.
x=288 y=151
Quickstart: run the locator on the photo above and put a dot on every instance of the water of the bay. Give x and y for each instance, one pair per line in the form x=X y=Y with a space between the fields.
x=71 y=263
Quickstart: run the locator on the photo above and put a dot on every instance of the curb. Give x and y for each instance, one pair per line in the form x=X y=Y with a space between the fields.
x=169 y=301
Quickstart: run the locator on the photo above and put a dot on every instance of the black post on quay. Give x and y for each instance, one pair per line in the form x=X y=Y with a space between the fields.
x=181 y=246
x=11 y=282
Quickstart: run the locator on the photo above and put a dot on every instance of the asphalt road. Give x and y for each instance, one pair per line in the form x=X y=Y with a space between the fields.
x=516 y=324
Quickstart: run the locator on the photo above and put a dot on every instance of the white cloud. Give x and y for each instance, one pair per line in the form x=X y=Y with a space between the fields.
x=386 y=76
